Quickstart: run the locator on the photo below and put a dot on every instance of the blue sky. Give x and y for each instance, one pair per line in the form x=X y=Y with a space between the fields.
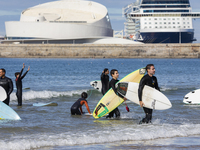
x=10 y=11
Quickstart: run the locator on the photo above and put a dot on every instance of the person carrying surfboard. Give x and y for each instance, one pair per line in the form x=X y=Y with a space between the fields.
x=7 y=84
x=18 y=82
x=78 y=105
x=114 y=73
x=105 y=81
x=151 y=81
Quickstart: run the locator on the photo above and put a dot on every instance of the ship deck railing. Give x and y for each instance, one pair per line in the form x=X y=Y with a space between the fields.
x=139 y=15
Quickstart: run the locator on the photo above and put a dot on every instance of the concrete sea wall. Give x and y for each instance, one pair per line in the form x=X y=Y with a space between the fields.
x=100 y=51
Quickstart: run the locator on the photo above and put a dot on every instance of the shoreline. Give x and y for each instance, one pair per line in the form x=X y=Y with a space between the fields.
x=190 y=142
x=100 y=50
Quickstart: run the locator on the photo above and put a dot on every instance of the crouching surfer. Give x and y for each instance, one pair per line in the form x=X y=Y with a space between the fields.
x=78 y=105
x=151 y=81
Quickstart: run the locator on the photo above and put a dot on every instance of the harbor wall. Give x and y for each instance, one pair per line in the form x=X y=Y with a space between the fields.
x=100 y=51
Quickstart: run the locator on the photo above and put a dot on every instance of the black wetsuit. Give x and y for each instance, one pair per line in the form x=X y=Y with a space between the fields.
x=116 y=110
x=105 y=83
x=152 y=82
x=7 y=84
x=75 y=107
x=18 y=82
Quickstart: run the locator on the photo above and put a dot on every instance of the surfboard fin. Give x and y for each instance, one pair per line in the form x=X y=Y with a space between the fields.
x=127 y=107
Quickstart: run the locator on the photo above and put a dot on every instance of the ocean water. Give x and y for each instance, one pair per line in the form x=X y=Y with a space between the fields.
x=63 y=80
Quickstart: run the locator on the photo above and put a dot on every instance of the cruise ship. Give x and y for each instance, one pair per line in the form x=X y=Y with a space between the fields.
x=160 y=21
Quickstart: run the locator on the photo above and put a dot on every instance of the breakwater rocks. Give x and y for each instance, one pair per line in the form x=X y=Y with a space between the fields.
x=100 y=51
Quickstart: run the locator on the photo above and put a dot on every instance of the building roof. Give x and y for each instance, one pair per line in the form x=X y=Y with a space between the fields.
x=67 y=10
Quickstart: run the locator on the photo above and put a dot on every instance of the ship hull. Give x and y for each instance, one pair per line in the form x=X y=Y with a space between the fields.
x=167 y=37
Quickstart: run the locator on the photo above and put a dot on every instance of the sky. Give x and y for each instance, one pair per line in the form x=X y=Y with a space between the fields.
x=10 y=10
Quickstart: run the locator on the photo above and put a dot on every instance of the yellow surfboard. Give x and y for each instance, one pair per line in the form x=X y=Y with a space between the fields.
x=110 y=100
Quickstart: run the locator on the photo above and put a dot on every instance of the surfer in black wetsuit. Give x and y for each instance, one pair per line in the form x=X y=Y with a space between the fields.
x=7 y=84
x=105 y=81
x=114 y=73
x=151 y=81
x=78 y=105
x=18 y=82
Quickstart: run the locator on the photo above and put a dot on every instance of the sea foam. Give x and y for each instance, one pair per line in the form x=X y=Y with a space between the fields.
x=114 y=133
x=29 y=95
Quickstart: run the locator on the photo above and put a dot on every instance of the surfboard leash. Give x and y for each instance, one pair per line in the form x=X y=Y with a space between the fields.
x=127 y=108
x=90 y=94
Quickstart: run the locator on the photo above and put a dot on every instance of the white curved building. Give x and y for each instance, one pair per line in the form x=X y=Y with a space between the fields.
x=64 y=19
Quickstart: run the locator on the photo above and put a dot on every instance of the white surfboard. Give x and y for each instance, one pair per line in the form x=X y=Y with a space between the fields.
x=27 y=88
x=45 y=104
x=192 y=97
x=3 y=94
x=87 y=114
x=96 y=84
x=151 y=97
x=7 y=112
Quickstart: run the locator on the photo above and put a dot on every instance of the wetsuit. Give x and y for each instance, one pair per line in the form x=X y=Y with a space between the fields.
x=152 y=82
x=7 y=84
x=78 y=104
x=105 y=83
x=116 y=110
x=18 y=82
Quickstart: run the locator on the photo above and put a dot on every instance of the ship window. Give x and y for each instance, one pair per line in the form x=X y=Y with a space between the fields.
x=37 y=20
x=149 y=18
x=173 y=19
x=187 y=18
x=160 y=22
x=160 y=18
x=155 y=22
x=183 y=22
x=174 y=27
x=155 y=18
x=164 y=22
x=178 y=22
x=164 y=19
x=173 y=22
x=179 y=26
x=145 y=27
x=188 y=26
x=145 y=18
x=188 y=23
x=165 y=27
x=149 y=22
x=184 y=27
x=145 y=23
x=166 y=2
x=169 y=27
x=169 y=18
x=165 y=6
x=177 y=18
x=183 y=18
x=150 y=27
x=156 y=11
x=160 y=26
x=169 y=22
x=156 y=27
